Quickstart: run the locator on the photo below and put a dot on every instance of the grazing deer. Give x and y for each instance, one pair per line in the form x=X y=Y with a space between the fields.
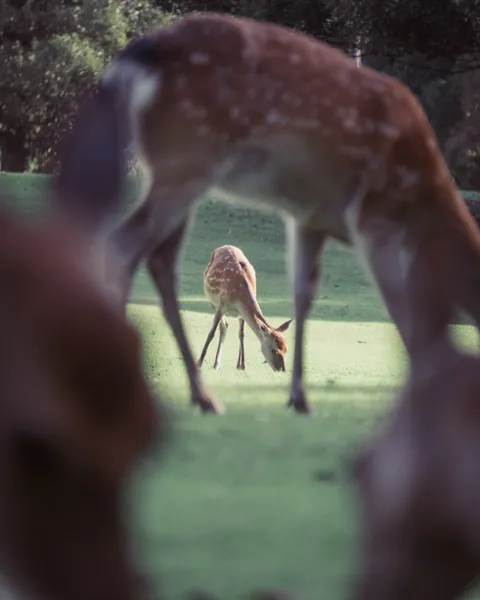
x=419 y=486
x=230 y=284
x=262 y=113
x=76 y=413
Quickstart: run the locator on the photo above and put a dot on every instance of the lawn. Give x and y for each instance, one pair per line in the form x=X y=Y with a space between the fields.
x=257 y=498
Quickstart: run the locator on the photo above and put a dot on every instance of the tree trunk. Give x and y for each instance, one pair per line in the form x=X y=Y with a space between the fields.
x=13 y=152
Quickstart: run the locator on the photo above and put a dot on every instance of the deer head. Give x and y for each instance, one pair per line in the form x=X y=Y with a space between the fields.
x=273 y=343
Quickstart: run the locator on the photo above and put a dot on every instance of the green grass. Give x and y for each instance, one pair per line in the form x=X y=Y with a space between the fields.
x=257 y=498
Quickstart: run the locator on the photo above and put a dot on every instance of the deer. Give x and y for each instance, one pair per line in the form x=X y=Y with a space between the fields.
x=77 y=414
x=416 y=478
x=417 y=483
x=262 y=115
x=230 y=285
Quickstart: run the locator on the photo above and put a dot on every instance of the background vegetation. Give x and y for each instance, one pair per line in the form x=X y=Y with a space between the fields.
x=258 y=498
x=52 y=52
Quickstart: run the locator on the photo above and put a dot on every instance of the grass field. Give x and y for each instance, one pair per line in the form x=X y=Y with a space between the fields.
x=257 y=498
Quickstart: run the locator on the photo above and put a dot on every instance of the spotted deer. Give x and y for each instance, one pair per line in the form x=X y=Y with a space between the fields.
x=230 y=284
x=278 y=119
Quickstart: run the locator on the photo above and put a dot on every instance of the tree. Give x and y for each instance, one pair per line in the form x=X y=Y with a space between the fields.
x=312 y=16
x=52 y=55
x=431 y=45
x=434 y=28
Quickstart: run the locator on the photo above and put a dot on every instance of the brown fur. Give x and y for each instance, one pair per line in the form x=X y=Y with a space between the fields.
x=418 y=482
x=76 y=415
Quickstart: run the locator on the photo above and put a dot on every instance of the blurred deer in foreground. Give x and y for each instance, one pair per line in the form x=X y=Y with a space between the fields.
x=76 y=411
x=286 y=122
x=419 y=482
x=230 y=285
x=419 y=478
x=419 y=485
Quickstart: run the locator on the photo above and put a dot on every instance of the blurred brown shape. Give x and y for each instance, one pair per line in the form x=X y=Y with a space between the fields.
x=419 y=484
x=76 y=416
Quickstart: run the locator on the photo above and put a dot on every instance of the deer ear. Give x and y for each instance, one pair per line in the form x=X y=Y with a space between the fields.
x=261 y=325
x=284 y=326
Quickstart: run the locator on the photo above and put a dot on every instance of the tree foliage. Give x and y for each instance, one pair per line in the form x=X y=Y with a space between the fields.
x=52 y=54
x=434 y=28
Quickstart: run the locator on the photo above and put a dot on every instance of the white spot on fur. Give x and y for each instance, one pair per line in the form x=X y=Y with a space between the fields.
x=272 y=117
x=387 y=131
x=350 y=124
x=199 y=58
x=408 y=178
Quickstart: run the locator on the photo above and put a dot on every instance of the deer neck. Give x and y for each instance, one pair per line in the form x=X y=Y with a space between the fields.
x=250 y=309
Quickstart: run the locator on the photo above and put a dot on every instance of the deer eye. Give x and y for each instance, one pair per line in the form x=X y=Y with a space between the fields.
x=275 y=352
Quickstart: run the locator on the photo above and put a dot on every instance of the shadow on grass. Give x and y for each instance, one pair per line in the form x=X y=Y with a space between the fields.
x=280 y=309
x=343 y=310
x=269 y=433
x=333 y=388
x=339 y=311
x=355 y=407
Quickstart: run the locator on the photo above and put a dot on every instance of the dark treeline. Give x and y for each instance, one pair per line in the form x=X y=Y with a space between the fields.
x=52 y=52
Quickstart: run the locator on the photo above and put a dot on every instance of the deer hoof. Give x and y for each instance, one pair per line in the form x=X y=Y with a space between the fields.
x=208 y=405
x=300 y=404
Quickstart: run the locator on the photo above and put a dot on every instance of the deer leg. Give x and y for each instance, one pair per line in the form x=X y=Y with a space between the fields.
x=241 y=353
x=211 y=334
x=223 y=333
x=304 y=249
x=126 y=247
x=162 y=263
x=417 y=298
